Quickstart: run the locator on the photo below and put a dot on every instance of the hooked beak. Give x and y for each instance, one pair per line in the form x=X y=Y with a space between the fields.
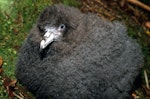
x=51 y=34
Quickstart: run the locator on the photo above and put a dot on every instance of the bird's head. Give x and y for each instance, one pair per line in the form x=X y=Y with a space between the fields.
x=53 y=24
x=59 y=28
x=52 y=33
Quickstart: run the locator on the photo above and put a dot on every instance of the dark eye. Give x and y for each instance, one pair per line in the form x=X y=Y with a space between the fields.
x=62 y=27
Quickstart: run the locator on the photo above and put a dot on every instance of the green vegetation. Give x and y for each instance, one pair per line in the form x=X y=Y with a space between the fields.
x=5 y=5
x=71 y=2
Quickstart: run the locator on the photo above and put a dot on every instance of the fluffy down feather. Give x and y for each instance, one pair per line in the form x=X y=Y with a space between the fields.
x=94 y=60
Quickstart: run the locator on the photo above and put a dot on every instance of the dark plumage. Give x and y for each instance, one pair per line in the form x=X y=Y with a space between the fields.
x=92 y=59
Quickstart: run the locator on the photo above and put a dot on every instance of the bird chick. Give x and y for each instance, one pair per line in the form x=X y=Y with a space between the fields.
x=71 y=55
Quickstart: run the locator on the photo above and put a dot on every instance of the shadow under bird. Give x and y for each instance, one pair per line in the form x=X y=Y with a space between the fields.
x=71 y=55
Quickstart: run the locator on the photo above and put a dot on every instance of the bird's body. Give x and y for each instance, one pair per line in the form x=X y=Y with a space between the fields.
x=94 y=59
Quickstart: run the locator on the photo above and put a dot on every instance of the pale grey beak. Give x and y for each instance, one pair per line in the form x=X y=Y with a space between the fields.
x=51 y=34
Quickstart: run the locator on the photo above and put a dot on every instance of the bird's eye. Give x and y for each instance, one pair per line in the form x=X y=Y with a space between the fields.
x=62 y=27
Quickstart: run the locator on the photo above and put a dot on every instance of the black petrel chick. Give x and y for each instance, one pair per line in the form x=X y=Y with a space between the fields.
x=71 y=55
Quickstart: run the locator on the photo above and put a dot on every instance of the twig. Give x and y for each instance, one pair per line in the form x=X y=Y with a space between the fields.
x=19 y=97
x=146 y=79
x=140 y=4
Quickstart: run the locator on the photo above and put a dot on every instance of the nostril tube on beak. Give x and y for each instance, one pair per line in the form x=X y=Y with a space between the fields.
x=47 y=35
